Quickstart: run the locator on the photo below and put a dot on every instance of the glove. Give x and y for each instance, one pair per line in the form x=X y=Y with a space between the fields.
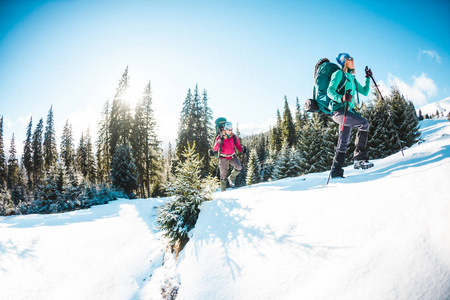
x=244 y=149
x=211 y=152
x=347 y=97
x=368 y=72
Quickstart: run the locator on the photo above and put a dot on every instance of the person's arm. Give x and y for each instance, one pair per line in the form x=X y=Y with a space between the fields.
x=336 y=78
x=364 y=90
x=218 y=142
x=238 y=145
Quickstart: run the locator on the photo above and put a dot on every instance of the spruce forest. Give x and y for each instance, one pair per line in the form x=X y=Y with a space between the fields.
x=126 y=159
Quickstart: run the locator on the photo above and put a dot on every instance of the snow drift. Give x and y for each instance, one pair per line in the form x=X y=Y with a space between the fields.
x=382 y=233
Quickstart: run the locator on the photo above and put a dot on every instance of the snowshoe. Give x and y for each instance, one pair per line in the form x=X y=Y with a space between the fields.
x=362 y=164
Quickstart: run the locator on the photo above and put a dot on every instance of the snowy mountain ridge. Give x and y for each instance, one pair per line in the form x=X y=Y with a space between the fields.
x=441 y=106
x=382 y=233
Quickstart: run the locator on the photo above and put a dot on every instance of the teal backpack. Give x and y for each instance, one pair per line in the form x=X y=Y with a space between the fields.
x=322 y=76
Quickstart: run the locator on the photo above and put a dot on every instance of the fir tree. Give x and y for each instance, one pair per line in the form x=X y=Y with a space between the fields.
x=103 y=144
x=261 y=148
x=195 y=126
x=168 y=163
x=91 y=168
x=275 y=140
x=295 y=160
x=68 y=152
x=3 y=164
x=13 y=166
x=283 y=162
x=382 y=135
x=254 y=169
x=287 y=125
x=146 y=150
x=120 y=118
x=300 y=117
x=206 y=133
x=313 y=151
x=123 y=170
x=268 y=166
x=179 y=214
x=405 y=119
x=420 y=115
x=85 y=158
x=183 y=126
x=27 y=158
x=38 y=157
x=81 y=157
x=50 y=151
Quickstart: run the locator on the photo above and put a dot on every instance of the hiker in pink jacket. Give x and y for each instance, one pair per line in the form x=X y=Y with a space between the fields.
x=226 y=143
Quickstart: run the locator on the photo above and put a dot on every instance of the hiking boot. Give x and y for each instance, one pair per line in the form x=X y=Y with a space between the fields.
x=223 y=185
x=230 y=182
x=337 y=173
x=362 y=164
x=232 y=177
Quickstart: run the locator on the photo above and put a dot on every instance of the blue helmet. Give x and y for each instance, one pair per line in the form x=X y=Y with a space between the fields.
x=341 y=58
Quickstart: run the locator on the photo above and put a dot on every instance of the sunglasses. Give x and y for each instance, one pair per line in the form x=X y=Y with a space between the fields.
x=229 y=129
x=349 y=58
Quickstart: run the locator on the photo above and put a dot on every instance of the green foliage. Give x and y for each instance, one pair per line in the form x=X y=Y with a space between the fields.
x=195 y=126
x=123 y=170
x=287 y=126
x=120 y=121
x=103 y=143
x=38 y=155
x=282 y=164
x=3 y=165
x=254 y=169
x=50 y=151
x=13 y=166
x=188 y=190
x=146 y=147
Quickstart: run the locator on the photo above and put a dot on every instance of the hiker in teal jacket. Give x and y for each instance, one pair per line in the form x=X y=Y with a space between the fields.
x=352 y=119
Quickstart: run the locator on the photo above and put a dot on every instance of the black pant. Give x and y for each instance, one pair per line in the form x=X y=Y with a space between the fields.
x=352 y=120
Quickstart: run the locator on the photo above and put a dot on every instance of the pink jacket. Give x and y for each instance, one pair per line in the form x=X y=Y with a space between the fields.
x=228 y=146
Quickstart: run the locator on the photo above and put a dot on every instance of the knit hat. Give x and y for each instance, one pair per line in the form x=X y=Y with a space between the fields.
x=341 y=58
x=228 y=125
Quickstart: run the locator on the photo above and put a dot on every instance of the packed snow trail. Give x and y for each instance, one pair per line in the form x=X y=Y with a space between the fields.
x=382 y=233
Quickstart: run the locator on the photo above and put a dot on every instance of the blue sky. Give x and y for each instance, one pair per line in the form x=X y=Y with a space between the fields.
x=248 y=55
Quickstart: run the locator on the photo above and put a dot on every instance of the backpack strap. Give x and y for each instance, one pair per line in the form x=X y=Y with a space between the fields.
x=341 y=84
x=356 y=89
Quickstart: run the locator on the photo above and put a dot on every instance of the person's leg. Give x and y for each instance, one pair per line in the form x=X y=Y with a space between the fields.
x=341 y=148
x=353 y=120
x=223 y=165
x=237 y=167
x=360 y=145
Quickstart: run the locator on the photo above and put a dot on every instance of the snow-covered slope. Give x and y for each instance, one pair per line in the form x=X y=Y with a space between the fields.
x=382 y=233
x=441 y=106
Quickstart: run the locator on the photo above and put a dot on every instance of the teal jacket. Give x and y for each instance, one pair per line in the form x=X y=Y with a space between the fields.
x=351 y=83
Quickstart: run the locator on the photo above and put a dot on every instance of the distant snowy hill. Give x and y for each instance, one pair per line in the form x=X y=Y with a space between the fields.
x=382 y=233
x=441 y=106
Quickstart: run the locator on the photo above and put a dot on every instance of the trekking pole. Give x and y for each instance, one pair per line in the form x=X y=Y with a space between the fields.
x=345 y=115
x=389 y=113
x=342 y=128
